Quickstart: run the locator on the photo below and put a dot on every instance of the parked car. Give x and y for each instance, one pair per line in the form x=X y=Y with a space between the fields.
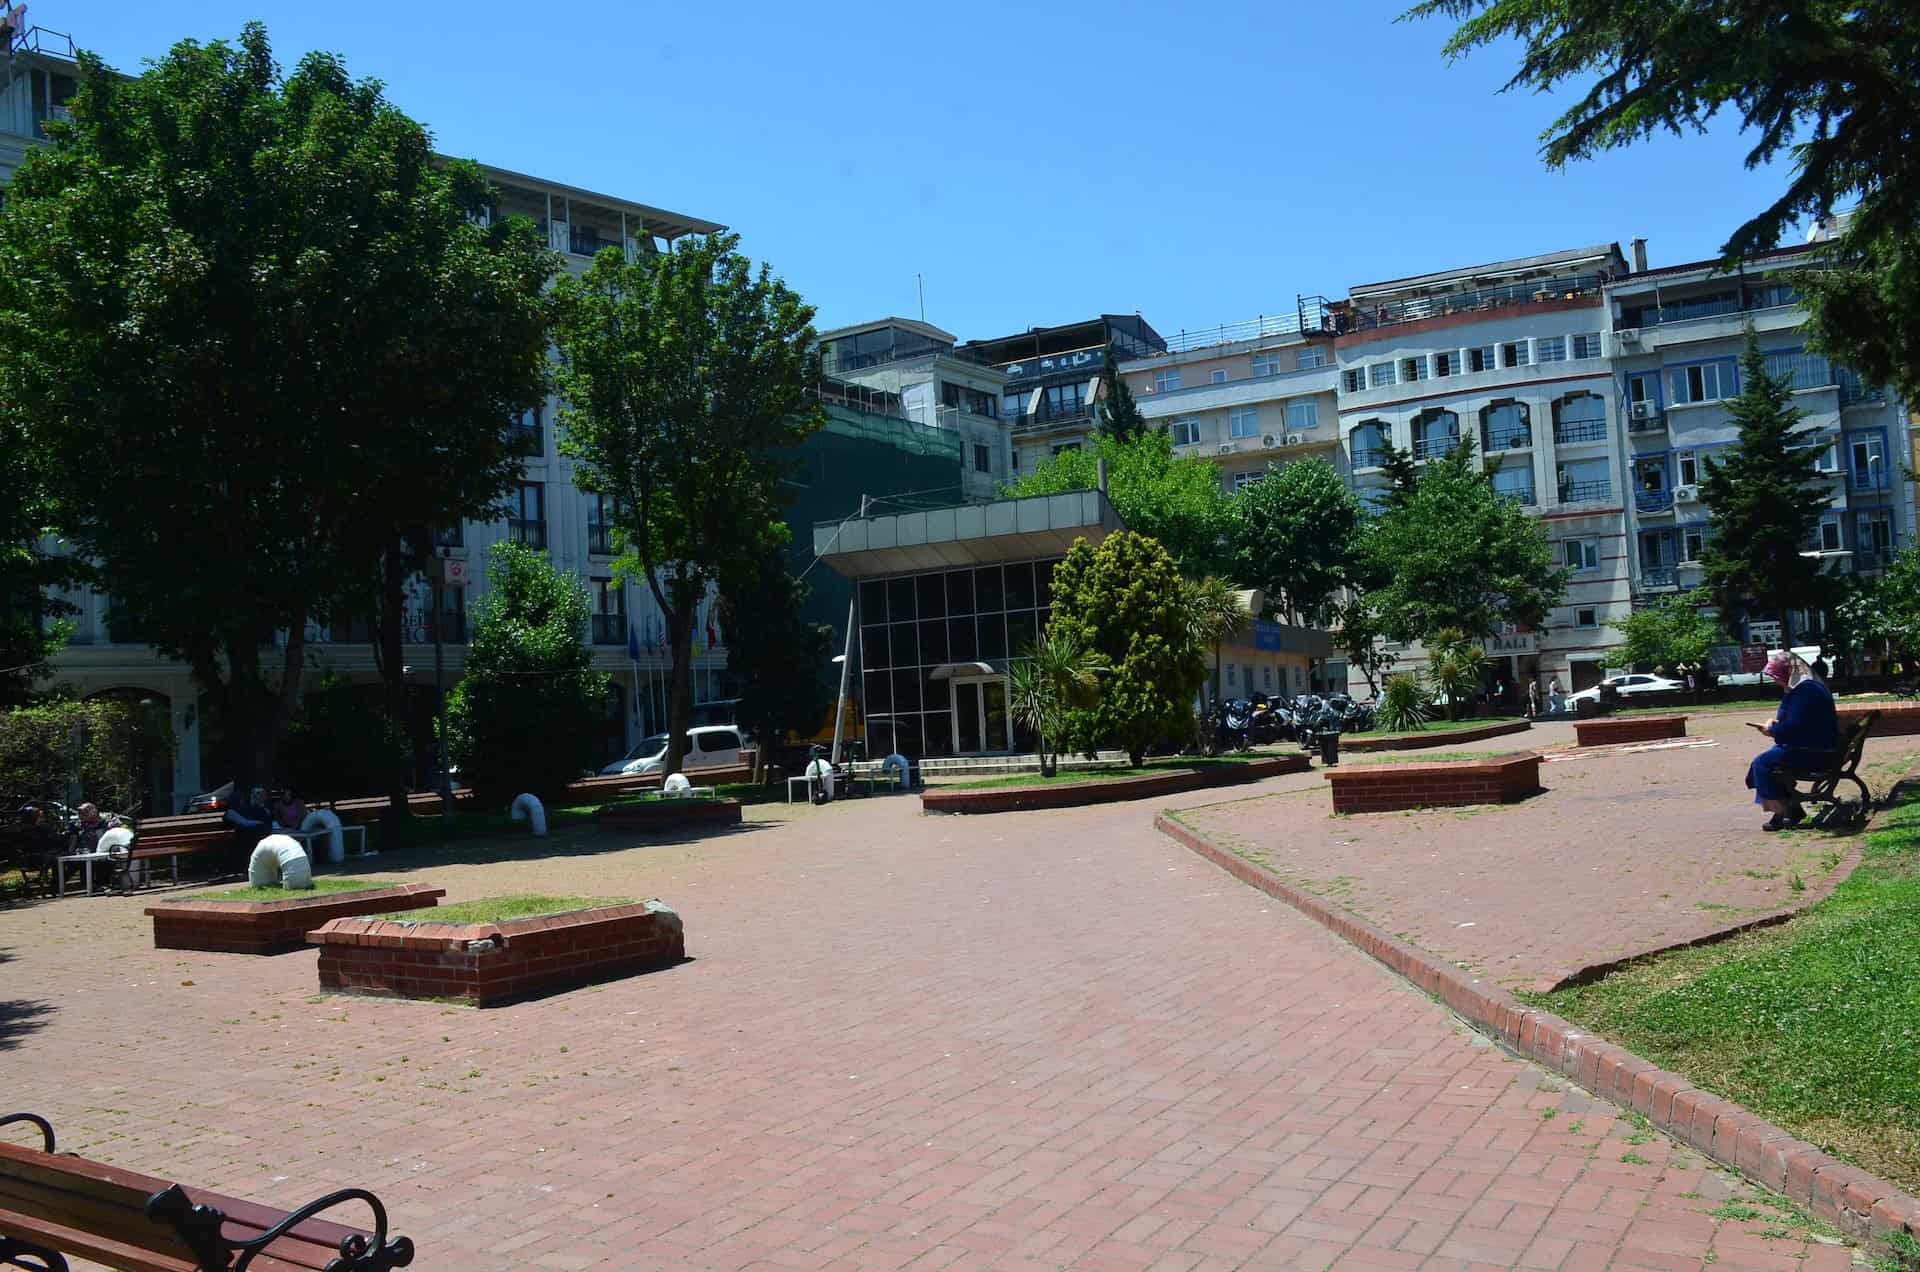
x=214 y=801
x=708 y=745
x=1627 y=685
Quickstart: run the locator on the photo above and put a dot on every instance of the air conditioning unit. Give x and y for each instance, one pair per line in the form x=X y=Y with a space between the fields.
x=1226 y=448
x=1269 y=441
x=1686 y=494
x=1628 y=335
x=1296 y=439
x=1646 y=410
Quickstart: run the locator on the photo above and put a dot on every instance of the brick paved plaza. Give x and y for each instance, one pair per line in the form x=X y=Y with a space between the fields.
x=1034 y=1040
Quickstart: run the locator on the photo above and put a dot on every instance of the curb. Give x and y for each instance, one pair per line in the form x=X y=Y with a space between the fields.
x=1862 y=1206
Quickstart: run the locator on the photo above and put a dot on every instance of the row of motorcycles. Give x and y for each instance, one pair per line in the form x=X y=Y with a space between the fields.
x=1239 y=724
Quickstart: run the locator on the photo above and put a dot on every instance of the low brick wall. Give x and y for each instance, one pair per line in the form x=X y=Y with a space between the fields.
x=1421 y=741
x=1499 y=779
x=273 y=927
x=1006 y=799
x=1896 y=719
x=489 y=963
x=668 y=814
x=1609 y=730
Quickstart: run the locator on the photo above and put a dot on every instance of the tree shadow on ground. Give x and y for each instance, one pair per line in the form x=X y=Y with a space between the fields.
x=573 y=841
x=20 y=1016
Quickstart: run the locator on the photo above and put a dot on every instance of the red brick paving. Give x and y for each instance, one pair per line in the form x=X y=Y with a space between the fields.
x=1039 y=1040
x=1626 y=851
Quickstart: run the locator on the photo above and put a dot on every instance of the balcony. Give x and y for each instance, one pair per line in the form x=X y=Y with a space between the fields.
x=1509 y=438
x=1393 y=313
x=454 y=536
x=599 y=539
x=609 y=629
x=1434 y=447
x=1653 y=500
x=1046 y=421
x=1573 y=431
x=1311 y=314
x=1854 y=393
x=1573 y=492
x=1654 y=422
x=1657 y=578
x=529 y=440
x=532 y=534
x=1369 y=456
x=1524 y=493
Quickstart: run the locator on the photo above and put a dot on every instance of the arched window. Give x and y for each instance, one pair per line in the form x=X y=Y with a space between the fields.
x=1580 y=417
x=1369 y=441
x=1504 y=426
x=1435 y=432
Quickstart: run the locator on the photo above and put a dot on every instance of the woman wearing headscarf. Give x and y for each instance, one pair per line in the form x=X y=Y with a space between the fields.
x=1804 y=732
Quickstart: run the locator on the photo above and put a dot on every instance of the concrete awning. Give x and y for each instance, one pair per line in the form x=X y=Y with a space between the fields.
x=970 y=534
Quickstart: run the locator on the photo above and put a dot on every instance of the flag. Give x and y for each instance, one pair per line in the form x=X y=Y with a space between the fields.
x=713 y=630
x=633 y=642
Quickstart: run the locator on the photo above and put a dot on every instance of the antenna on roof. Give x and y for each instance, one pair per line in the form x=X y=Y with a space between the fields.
x=921 y=283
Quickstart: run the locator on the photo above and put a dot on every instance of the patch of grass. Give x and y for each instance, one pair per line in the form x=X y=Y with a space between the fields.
x=470 y=823
x=1432 y=727
x=321 y=887
x=1098 y=775
x=1414 y=757
x=500 y=909
x=1813 y=1024
x=1738 y=1211
x=1632 y=1158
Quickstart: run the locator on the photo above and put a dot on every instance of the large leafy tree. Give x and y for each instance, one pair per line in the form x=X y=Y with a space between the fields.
x=1834 y=86
x=1177 y=501
x=1294 y=534
x=523 y=715
x=1454 y=554
x=1886 y=610
x=1120 y=415
x=1667 y=632
x=1764 y=502
x=781 y=662
x=1122 y=601
x=31 y=626
x=686 y=375
x=230 y=302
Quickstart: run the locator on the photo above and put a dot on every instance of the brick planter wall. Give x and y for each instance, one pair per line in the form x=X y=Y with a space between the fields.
x=1421 y=741
x=669 y=814
x=488 y=963
x=1383 y=788
x=1897 y=719
x=1608 y=730
x=273 y=927
x=1006 y=799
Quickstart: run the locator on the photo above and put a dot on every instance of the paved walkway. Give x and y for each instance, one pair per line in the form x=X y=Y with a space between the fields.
x=1027 y=1041
x=1631 y=849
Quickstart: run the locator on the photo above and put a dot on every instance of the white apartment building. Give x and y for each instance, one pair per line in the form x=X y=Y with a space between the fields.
x=916 y=363
x=1513 y=354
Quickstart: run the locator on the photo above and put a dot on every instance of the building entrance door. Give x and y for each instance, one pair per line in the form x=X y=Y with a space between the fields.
x=980 y=716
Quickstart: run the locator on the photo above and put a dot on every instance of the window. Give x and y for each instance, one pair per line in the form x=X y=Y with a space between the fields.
x=601 y=516
x=1380 y=374
x=1586 y=345
x=982 y=458
x=1064 y=447
x=1435 y=432
x=1413 y=369
x=1584 y=480
x=1446 y=364
x=1643 y=388
x=1481 y=359
x=1830 y=535
x=1582 y=554
x=1354 y=380
x=1186 y=431
x=1369 y=442
x=1232 y=671
x=1688 y=465
x=529 y=436
x=1514 y=481
x=1217 y=377
x=1829 y=460
x=1514 y=355
x=1166 y=381
x=1869 y=461
x=609 y=612
x=1552 y=349
x=1693 y=543
x=1266 y=364
x=1013 y=405
x=1242 y=480
x=972 y=401
x=1244 y=422
x=1580 y=417
x=1801 y=370
x=1650 y=474
x=1504 y=425
x=527 y=514
x=1586 y=618
x=453 y=536
x=1063 y=401
x=1302 y=414
x=1266 y=677
x=1310 y=357
x=1703 y=382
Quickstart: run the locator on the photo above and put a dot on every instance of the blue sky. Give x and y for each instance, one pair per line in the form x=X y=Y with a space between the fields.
x=1036 y=163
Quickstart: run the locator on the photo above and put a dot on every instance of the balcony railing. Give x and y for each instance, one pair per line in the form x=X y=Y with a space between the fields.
x=1872 y=558
x=1392 y=313
x=1652 y=576
x=1043 y=420
x=1434 y=447
x=532 y=534
x=530 y=439
x=1523 y=493
x=599 y=539
x=1580 y=431
x=1749 y=301
x=609 y=629
x=1508 y=438
x=1649 y=424
x=1369 y=456
x=1653 y=500
x=1854 y=393
x=1311 y=314
x=454 y=536
x=1585 y=491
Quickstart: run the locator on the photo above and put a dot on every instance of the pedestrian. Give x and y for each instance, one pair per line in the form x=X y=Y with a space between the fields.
x=1805 y=732
x=1556 y=699
x=1533 y=699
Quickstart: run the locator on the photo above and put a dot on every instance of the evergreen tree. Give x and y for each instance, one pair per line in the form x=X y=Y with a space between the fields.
x=1764 y=503
x=1121 y=416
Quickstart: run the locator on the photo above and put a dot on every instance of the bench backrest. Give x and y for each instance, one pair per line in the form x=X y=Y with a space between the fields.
x=1853 y=743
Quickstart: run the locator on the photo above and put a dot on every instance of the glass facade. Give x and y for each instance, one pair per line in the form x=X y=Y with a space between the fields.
x=912 y=624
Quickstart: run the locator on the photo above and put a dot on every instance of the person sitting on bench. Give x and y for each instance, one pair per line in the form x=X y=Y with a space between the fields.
x=250 y=823
x=1804 y=733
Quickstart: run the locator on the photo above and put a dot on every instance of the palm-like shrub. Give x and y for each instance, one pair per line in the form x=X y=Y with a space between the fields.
x=1055 y=674
x=1403 y=704
x=1455 y=667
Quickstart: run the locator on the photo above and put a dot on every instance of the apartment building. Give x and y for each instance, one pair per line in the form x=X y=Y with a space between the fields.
x=1514 y=355
x=1053 y=379
x=914 y=365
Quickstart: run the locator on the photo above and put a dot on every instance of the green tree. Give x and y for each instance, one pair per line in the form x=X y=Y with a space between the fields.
x=783 y=663
x=1214 y=613
x=32 y=623
x=1356 y=626
x=335 y=748
x=523 y=715
x=1667 y=632
x=1120 y=415
x=235 y=294
x=1054 y=675
x=1121 y=600
x=1175 y=501
x=70 y=750
x=1764 y=504
x=1293 y=536
x=1831 y=85
x=1454 y=554
x=686 y=374
x=1886 y=610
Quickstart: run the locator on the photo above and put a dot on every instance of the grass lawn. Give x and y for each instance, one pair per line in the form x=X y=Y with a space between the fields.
x=1814 y=1025
x=500 y=909
x=320 y=888
x=1432 y=727
x=1097 y=775
x=1415 y=757
x=471 y=823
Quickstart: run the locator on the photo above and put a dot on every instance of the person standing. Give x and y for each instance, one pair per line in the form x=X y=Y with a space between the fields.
x=1533 y=699
x=1805 y=732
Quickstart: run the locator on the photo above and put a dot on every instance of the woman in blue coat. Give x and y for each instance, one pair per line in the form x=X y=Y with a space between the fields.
x=1804 y=733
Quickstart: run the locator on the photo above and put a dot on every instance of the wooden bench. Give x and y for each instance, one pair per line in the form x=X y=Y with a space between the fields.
x=172 y=845
x=55 y=1204
x=1823 y=786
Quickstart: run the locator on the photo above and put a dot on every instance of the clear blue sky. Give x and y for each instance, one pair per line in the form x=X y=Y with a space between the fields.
x=1036 y=162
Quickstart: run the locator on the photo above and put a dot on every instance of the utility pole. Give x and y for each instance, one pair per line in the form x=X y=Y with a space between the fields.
x=846 y=665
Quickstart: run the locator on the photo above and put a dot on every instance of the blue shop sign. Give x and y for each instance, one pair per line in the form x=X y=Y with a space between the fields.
x=1266 y=634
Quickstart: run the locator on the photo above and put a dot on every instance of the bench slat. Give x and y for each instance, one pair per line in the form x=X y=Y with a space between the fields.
x=90 y=1245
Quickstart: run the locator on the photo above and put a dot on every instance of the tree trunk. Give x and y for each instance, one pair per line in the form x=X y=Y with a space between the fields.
x=680 y=684
x=389 y=612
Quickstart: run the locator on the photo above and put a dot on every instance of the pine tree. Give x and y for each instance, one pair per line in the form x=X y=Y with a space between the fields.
x=1765 y=503
x=1121 y=417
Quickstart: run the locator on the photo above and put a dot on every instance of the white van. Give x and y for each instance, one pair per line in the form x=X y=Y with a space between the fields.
x=708 y=745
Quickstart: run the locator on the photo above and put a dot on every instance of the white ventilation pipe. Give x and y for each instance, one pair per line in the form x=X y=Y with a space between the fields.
x=897 y=770
x=280 y=862
x=527 y=807
x=329 y=821
x=676 y=787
